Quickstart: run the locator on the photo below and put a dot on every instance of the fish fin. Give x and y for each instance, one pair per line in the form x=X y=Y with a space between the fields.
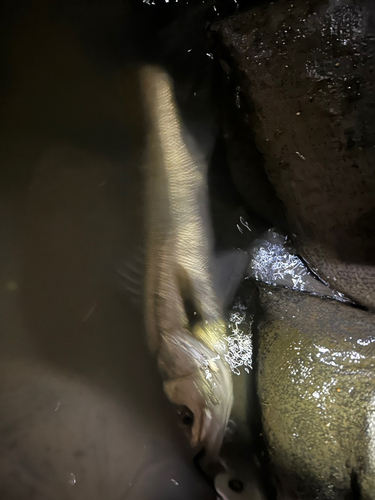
x=130 y=277
x=229 y=269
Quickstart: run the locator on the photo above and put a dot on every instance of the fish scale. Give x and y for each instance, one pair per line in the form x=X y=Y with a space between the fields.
x=178 y=266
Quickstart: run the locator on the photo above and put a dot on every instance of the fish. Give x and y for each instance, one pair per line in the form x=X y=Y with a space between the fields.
x=184 y=318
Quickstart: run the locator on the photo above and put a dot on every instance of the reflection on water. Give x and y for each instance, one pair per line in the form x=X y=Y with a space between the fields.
x=274 y=263
x=239 y=342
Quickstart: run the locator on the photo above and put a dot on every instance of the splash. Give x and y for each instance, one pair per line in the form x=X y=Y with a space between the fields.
x=274 y=263
x=238 y=345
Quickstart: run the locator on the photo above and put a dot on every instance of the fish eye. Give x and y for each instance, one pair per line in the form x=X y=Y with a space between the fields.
x=186 y=416
x=236 y=485
x=187 y=420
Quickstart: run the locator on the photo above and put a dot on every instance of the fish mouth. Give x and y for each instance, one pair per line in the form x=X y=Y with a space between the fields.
x=203 y=421
x=210 y=447
x=199 y=383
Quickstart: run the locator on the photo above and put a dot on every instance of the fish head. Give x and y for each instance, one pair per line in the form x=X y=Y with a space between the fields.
x=199 y=379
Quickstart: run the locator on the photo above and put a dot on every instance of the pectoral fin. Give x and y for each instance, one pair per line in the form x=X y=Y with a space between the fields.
x=229 y=270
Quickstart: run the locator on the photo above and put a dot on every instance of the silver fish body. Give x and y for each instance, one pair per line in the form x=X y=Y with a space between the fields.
x=179 y=269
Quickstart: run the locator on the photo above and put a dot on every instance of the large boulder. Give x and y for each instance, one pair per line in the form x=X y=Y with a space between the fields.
x=306 y=80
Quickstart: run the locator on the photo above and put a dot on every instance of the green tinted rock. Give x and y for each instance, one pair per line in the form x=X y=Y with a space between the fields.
x=316 y=384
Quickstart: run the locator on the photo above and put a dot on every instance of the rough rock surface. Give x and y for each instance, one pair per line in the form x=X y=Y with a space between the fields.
x=316 y=384
x=306 y=76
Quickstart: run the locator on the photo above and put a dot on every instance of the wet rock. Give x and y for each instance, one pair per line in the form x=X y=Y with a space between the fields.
x=316 y=384
x=253 y=185
x=306 y=82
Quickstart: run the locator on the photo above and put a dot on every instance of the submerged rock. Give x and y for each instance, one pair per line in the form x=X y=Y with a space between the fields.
x=316 y=384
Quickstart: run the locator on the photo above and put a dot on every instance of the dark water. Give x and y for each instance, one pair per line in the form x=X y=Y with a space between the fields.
x=82 y=411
